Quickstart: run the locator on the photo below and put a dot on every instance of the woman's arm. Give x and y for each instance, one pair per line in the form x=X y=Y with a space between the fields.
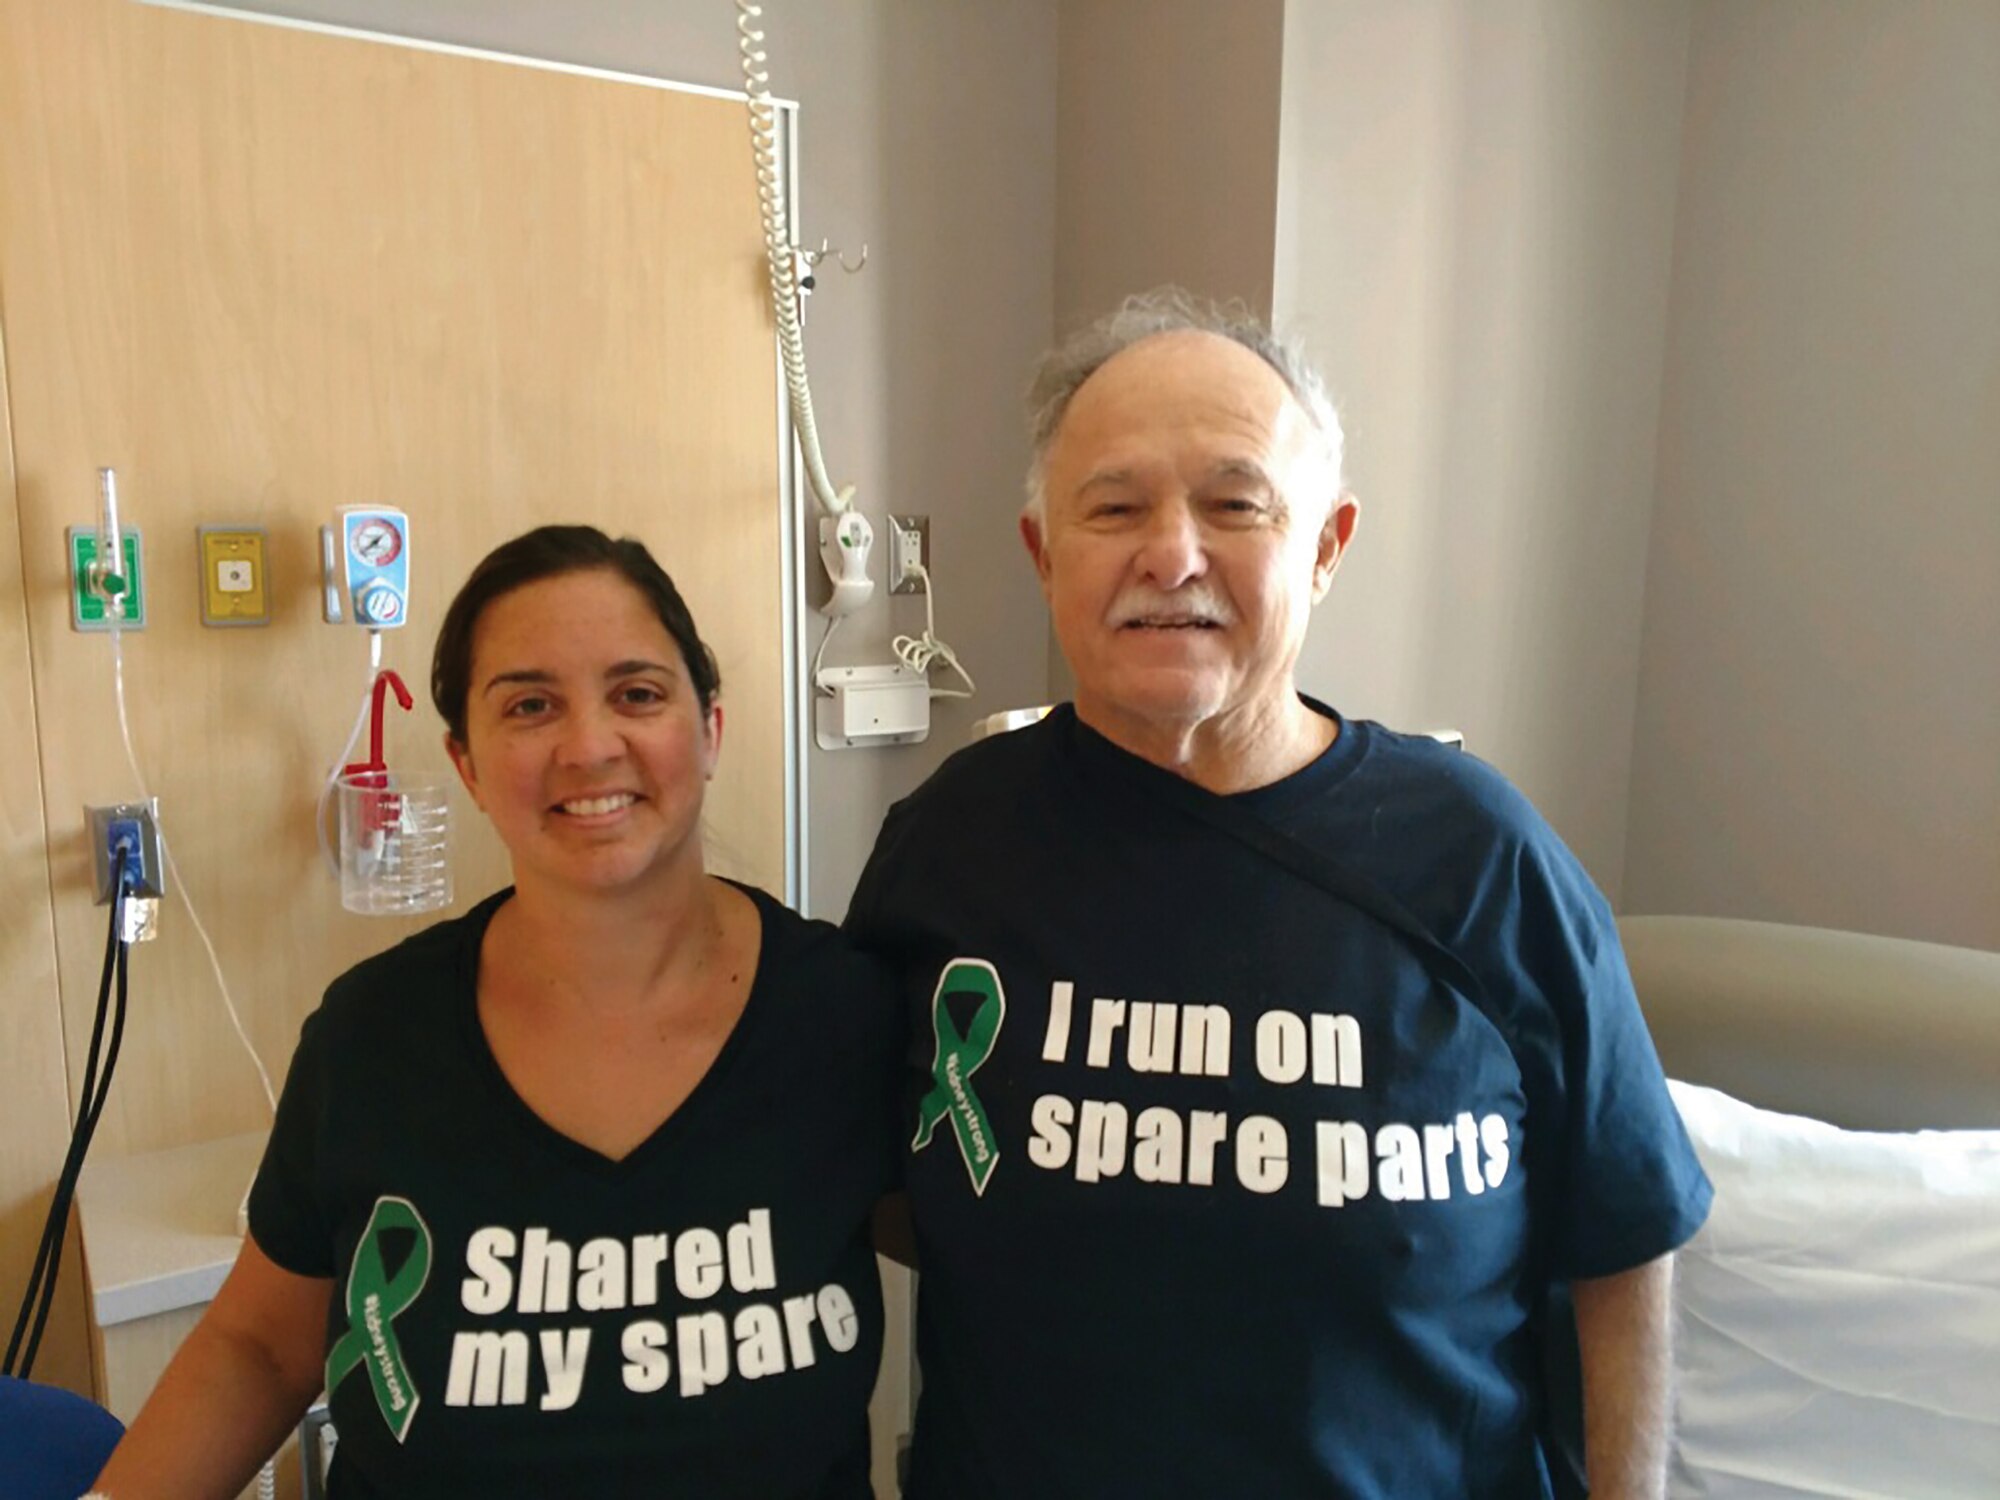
x=240 y=1382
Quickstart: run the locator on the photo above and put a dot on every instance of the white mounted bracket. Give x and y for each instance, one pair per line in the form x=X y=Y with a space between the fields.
x=862 y=706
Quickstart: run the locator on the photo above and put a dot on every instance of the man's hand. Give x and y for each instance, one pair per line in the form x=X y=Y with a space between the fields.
x=1624 y=1330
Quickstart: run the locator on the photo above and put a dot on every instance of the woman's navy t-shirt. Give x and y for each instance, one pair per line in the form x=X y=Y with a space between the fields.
x=513 y=1313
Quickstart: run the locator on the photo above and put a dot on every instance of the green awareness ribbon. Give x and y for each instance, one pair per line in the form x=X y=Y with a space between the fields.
x=959 y=1056
x=374 y=1301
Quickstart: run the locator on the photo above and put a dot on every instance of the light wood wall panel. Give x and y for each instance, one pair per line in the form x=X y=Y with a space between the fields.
x=34 y=1100
x=265 y=273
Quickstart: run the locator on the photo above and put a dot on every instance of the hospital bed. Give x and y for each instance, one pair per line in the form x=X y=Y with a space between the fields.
x=1838 y=1318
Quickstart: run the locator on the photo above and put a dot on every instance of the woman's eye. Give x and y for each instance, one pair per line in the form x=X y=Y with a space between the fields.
x=527 y=708
x=641 y=695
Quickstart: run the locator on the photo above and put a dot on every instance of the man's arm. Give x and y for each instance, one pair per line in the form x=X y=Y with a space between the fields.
x=1624 y=1330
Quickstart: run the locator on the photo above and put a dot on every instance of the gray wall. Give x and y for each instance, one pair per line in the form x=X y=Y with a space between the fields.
x=928 y=131
x=1475 y=212
x=1167 y=129
x=1819 y=712
x=1167 y=164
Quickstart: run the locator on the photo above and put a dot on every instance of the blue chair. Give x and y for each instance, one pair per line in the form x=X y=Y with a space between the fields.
x=52 y=1443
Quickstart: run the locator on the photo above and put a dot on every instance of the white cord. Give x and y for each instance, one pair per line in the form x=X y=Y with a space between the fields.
x=820 y=655
x=173 y=871
x=919 y=652
x=778 y=250
x=333 y=771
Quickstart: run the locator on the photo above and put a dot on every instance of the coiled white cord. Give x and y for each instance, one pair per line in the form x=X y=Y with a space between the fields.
x=778 y=249
x=920 y=652
x=819 y=656
x=180 y=885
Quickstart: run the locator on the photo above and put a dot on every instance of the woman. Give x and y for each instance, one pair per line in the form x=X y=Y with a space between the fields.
x=569 y=1195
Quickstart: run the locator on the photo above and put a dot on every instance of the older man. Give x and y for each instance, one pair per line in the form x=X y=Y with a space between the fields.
x=1277 y=1064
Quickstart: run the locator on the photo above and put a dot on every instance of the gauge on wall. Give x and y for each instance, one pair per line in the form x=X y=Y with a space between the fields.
x=377 y=542
x=365 y=556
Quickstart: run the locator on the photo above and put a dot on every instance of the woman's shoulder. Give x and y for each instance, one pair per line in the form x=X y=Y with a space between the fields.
x=792 y=936
x=810 y=956
x=418 y=973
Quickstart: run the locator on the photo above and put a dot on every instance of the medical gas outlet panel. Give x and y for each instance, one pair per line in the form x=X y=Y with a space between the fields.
x=365 y=557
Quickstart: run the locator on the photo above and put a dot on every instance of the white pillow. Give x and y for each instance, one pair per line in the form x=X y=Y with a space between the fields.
x=1839 y=1314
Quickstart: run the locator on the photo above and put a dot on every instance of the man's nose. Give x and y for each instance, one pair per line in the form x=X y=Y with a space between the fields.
x=1172 y=550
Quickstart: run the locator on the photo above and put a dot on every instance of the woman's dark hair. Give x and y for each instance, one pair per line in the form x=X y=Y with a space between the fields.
x=550 y=552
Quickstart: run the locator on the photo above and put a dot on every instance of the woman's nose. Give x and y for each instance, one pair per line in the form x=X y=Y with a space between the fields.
x=591 y=738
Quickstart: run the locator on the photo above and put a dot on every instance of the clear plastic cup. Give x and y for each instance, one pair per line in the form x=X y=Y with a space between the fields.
x=395 y=842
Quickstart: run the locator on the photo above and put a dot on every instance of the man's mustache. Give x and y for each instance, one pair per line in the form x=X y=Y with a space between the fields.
x=1195 y=604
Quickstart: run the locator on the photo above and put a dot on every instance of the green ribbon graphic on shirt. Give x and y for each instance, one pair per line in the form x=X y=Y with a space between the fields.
x=375 y=1300
x=960 y=1053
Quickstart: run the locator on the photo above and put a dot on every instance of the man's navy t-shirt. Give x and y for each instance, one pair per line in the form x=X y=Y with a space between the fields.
x=1220 y=1188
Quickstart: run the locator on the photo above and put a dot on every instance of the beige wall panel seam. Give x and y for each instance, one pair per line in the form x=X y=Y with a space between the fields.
x=64 y=1356
x=34 y=715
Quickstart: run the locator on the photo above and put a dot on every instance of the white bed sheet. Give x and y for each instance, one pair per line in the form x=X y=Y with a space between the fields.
x=1839 y=1315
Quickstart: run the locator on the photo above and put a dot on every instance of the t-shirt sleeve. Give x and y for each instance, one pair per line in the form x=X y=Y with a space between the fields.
x=1629 y=1187
x=869 y=919
x=870 y=1061
x=289 y=1218
x=882 y=919
x=889 y=1077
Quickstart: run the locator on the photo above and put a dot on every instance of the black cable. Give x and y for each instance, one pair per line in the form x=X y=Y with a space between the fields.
x=68 y=1186
x=48 y=1253
x=103 y=987
x=42 y=1279
x=42 y=1268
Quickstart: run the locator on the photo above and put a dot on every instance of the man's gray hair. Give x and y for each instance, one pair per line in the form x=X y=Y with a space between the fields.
x=1166 y=310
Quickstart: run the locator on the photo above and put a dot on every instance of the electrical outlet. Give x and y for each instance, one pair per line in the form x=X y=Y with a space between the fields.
x=133 y=827
x=909 y=549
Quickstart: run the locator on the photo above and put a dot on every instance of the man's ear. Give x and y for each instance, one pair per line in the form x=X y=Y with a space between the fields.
x=461 y=762
x=1037 y=545
x=1334 y=537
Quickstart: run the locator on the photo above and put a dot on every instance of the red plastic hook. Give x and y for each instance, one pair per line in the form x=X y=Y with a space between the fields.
x=384 y=681
x=372 y=775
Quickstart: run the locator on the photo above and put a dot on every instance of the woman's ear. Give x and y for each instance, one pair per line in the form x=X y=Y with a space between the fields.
x=461 y=761
x=712 y=740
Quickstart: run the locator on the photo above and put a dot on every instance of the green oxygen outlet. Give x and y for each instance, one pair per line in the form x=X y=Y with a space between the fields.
x=87 y=605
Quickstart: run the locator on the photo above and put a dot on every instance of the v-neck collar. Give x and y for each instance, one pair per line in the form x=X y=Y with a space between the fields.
x=571 y=1151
